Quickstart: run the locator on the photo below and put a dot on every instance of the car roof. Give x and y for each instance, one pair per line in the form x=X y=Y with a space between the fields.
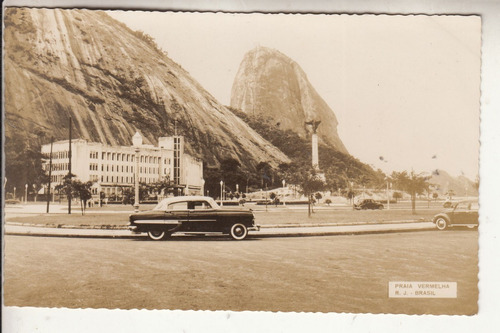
x=185 y=198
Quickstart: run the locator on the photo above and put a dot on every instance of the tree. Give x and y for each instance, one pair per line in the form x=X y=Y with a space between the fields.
x=411 y=183
x=128 y=196
x=328 y=202
x=165 y=185
x=82 y=191
x=435 y=195
x=23 y=163
x=266 y=175
x=67 y=185
x=318 y=196
x=310 y=182
x=397 y=196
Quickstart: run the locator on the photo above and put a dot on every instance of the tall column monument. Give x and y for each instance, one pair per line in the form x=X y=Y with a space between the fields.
x=314 y=140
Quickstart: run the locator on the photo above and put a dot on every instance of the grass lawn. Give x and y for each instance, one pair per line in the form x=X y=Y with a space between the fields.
x=273 y=216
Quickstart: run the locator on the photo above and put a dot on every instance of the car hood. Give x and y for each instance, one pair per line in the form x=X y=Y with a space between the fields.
x=147 y=213
x=446 y=211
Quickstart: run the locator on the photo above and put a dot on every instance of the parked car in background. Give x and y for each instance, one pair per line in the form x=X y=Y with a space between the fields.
x=463 y=213
x=192 y=214
x=369 y=204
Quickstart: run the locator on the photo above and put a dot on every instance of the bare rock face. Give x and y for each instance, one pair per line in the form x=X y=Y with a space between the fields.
x=271 y=84
x=461 y=186
x=113 y=81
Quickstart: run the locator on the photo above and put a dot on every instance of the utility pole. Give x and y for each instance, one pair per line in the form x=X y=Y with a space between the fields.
x=50 y=173
x=69 y=173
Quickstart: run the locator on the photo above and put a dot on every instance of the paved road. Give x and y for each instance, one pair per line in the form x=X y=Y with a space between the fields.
x=341 y=273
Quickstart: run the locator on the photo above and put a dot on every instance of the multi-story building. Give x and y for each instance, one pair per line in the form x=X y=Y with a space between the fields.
x=111 y=168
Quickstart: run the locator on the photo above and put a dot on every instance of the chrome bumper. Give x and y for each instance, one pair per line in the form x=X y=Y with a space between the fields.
x=133 y=229
x=256 y=227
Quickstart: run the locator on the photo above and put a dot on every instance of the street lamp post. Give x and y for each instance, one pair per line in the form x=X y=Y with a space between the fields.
x=221 y=184
x=352 y=194
x=137 y=142
x=14 y=193
x=26 y=193
x=388 y=201
x=284 y=183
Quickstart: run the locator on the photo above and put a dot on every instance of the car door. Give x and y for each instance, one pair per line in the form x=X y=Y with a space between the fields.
x=472 y=214
x=202 y=216
x=178 y=211
x=461 y=213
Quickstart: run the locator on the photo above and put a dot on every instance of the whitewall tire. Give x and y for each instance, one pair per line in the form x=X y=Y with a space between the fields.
x=441 y=223
x=157 y=235
x=238 y=231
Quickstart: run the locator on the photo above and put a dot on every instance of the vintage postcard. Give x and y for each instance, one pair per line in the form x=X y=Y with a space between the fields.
x=241 y=162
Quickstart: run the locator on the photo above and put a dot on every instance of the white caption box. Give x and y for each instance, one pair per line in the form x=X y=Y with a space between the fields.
x=412 y=289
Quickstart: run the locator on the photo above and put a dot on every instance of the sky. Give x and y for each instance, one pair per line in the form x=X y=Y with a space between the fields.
x=405 y=89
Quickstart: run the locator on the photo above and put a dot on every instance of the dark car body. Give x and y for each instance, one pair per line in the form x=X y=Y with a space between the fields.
x=369 y=204
x=463 y=213
x=192 y=214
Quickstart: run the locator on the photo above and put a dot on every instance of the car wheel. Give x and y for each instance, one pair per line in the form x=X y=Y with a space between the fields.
x=238 y=231
x=157 y=235
x=441 y=223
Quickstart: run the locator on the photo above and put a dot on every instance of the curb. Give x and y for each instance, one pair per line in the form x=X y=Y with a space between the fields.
x=270 y=232
x=266 y=226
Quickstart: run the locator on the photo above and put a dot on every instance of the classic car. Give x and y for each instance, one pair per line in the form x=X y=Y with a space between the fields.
x=463 y=213
x=369 y=204
x=192 y=214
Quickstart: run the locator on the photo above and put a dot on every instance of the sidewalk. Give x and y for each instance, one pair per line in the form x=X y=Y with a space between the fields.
x=266 y=231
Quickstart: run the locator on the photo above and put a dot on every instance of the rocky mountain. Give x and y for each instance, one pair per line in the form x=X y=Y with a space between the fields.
x=113 y=81
x=461 y=186
x=270 y=83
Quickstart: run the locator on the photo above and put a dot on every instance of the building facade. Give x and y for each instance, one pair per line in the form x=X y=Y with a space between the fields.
x=112 y=168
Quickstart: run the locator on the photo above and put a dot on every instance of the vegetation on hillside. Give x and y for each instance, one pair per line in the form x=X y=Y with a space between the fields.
x=341 y=171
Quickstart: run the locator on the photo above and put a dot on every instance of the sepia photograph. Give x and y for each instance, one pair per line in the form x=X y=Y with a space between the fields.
x=264 y=162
